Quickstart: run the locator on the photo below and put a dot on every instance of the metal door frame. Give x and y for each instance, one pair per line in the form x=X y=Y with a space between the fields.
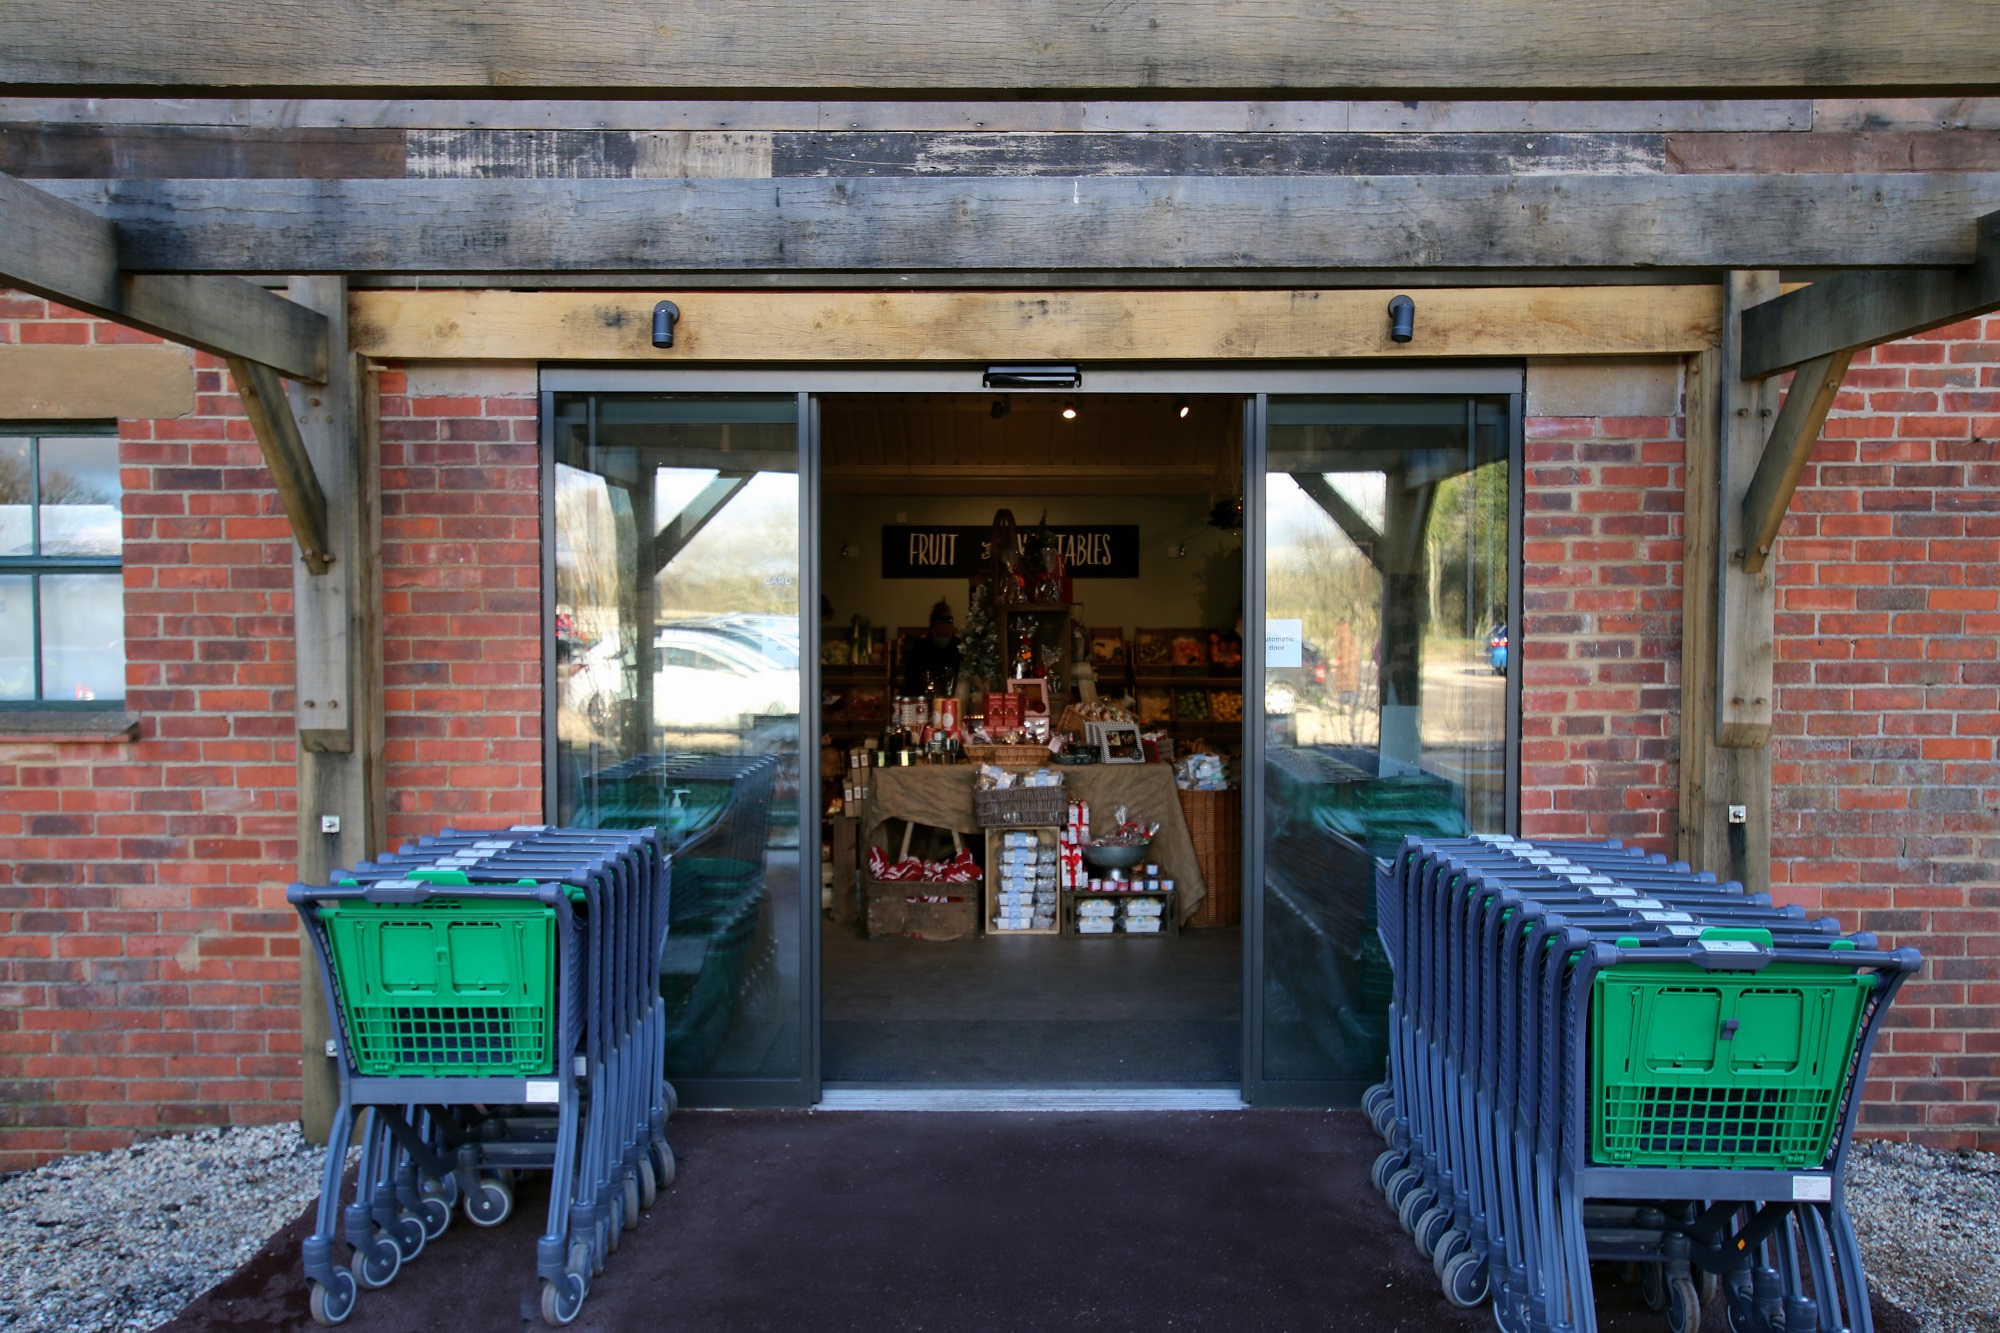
x=1255 y=384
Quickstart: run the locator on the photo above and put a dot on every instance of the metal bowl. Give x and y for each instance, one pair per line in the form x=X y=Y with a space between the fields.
x=1116 y=857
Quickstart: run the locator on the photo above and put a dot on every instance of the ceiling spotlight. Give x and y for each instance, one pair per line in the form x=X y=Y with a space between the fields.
x=1001 y=407
x=1182 y=408
x=1069 y=411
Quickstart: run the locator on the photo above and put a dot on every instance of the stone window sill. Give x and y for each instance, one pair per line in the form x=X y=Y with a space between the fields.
x=77 y=726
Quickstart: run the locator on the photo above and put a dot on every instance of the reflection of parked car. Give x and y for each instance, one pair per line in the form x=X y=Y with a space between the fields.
x=1302 y=684
x=593 y=676
x=703 y=678
x=775 y=637
x=1496 y=648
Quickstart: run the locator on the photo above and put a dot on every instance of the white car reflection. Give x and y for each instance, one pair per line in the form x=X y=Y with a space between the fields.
x=709 y=680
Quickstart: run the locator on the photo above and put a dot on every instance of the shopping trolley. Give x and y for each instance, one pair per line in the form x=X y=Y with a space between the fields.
x=497 y=1012
x=1598 y=1056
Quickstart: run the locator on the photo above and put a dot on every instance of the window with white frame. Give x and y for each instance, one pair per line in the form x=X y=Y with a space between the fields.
x=62 y=581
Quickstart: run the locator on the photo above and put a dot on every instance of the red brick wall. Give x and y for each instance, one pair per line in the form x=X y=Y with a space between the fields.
x=148 y=960
x=1886 y=781
x=1886 y=785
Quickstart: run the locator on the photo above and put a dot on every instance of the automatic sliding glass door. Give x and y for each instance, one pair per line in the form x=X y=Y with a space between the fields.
x=678 y=624
x=1386 y=528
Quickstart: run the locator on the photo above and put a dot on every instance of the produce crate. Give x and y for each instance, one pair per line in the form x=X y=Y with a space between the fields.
x=892 y=911
x=449 y=988
x=1215 y=826
x=1021 y=807
x=1694 y=1068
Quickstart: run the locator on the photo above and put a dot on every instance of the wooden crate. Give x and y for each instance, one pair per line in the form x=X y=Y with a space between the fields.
x=1215 y=825
x=891 y=913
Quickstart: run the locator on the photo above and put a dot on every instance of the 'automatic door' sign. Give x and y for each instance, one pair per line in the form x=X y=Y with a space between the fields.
x=1090 y=551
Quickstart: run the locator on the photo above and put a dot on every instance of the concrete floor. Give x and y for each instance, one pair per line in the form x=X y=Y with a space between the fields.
x=1033 y=1010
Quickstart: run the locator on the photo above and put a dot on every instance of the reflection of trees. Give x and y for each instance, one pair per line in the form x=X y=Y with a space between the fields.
x=746 y=563
x=1465 y=547
x=1316 y=575
x=17 y=486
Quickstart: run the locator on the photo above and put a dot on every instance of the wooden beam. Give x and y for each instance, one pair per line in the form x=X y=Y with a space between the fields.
x=1715 y=780
x=805 y=226
x=337 y=645
x=44 y=382
x=1358 y=529
x=1785 y=454
x=674 y=536
x=55 y=249
x=285 y=455
x=1050 y=115
x=1746 y=643
x=945 y=326
x=1854 y=310
x=533 y=46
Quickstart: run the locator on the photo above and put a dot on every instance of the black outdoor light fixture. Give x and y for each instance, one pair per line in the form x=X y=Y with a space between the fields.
x=1402 y=319
x=665 y=315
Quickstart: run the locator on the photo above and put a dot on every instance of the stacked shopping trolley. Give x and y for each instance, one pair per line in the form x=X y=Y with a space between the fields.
x=498 y=1010
x=1596 y=1056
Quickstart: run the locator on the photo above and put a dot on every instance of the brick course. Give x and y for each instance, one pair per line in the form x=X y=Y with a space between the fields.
x=148 y=962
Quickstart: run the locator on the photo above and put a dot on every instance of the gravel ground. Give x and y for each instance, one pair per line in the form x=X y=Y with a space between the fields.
x=122 y=1240
x=1929 y=1226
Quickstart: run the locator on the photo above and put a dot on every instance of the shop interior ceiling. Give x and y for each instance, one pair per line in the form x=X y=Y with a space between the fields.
x=957 y=444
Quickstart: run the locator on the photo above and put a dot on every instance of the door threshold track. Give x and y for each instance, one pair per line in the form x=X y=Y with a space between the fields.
x=863 y=1097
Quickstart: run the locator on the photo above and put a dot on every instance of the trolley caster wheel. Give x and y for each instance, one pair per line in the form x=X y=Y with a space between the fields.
x=664 y=1166
x=1413 y=1206
x=632 y=1192
x=1402 y=1185
x=600 y=1248
x=1707 y=1284
x=491 y=1203
x=673 y=1100
x=649 y=1187
x=1683 y=1306
x=1449 y=1246
x=1371 y=1100
x=1432 y=1226
x=562 y=1301
x=1386 y=1165
x=331 y=1304
x=376 y=1264
x=434 y=1210
x=1465 y=1281
x=409 y=1234
x=1653 y=1286
x=1384 y=1120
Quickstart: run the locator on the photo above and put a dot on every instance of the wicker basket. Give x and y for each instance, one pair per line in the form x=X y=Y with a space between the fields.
x=1021 y=807
x=1215 y=825
x=1008 y=756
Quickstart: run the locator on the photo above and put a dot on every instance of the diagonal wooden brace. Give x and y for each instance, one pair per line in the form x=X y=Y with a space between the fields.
x=285 y=455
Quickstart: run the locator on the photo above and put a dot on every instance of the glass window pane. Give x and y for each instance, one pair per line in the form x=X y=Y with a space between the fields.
x=17 y=494
x=83 y=637
x=80 y=493
x=678 y=692
x=1386 y=541
x=17 y=637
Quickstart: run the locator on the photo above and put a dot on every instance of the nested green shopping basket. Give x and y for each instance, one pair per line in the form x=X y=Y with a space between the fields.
x=1722 y=1069
x=446 y=988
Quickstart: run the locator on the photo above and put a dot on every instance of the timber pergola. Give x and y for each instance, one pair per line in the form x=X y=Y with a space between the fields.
x=1505 y=258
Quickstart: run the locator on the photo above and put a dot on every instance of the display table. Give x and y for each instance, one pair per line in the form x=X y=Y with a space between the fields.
x=940 y=795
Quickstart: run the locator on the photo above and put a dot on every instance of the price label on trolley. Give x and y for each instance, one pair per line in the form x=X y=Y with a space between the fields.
x=543 y=1092
x=1812 y=1189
